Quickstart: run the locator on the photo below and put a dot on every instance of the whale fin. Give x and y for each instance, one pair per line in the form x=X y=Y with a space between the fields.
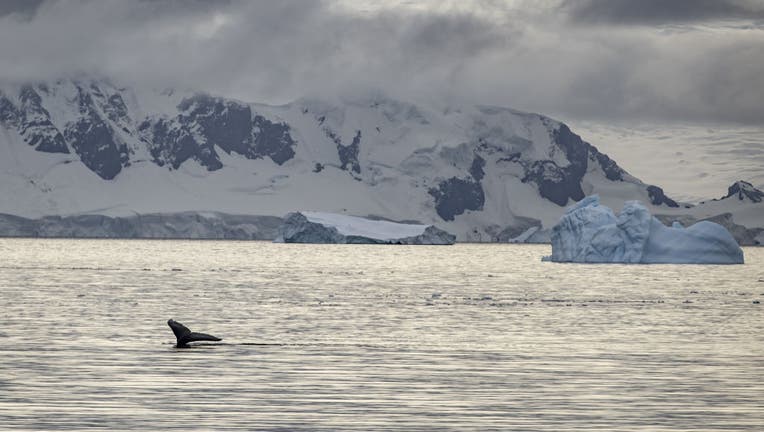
x=184 y=335
x=195 y=337
x=179 y=329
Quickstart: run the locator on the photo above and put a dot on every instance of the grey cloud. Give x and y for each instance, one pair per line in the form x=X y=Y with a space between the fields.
x=661 y=11
x=24 y=9
x=529 y=58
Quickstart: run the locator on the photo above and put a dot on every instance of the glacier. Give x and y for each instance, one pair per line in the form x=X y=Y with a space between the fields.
x=320 y=227
x=90 y=157
x=589 y=232
x=187 y=225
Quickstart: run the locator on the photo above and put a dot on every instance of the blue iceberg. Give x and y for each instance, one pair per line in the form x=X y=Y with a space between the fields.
x=591 y=233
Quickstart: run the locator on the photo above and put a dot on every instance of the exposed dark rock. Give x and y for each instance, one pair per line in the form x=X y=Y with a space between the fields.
x=657 y=197
x=171 y=143
x=609 y=166
x=576 y=150
x=455 y=196
x=743 y=189
x=476 y=169
x=115 y=108
x=223 y=123
x=512 y=157
x=35 y=126
x=554 y=183
x=333 y=136
x=215 y=122
x=30 y=99
x=349 y=154
x=48 y=143
x=318 y=167
x=272 y=140
x=93 y=140
x=558 y=184
x=8 y=113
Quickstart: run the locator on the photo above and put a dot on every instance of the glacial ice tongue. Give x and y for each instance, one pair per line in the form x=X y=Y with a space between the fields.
x=318 y=227
x=591 y=233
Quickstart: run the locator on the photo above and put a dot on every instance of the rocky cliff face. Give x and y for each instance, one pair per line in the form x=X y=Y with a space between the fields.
x=205 y=124
x=73 y=147
x=97 y=125
x=742 y=190
x=32 y=122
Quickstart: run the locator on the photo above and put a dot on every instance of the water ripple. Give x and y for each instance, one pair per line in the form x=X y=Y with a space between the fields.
x=470 y=337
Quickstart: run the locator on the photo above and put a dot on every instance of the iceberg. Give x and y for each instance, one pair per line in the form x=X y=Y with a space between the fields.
x=318 y=227
x=591 y=233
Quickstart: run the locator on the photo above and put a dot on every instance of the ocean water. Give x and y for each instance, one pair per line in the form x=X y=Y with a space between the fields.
x=351 y=337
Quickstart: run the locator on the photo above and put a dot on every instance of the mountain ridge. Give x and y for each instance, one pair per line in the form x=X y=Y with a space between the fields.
x=90 y=147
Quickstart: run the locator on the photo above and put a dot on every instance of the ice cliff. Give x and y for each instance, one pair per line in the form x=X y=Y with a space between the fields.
x=591 y=233
x=317 y=227
x=188 y=225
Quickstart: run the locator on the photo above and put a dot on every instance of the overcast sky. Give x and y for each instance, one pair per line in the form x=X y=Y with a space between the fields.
x=600 y=60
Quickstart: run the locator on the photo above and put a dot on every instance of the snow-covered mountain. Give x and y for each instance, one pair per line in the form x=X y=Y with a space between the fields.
x=691 y=162
x=70 y=148
x=741 y=211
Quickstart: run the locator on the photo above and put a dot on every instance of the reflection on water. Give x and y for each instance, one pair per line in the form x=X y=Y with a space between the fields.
x=373 y=337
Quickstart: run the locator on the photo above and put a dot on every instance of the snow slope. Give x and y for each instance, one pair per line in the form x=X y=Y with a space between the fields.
x=483 y=173
x=691 y=162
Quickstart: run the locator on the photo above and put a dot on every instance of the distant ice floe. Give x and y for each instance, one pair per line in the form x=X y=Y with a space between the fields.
x=317 y=227
x=591 y=233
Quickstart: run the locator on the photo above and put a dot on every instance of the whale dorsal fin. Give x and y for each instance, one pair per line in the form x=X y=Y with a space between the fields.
x=184 y=335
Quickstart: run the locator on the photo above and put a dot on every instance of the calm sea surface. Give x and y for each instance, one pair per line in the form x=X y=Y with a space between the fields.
x=335 y=337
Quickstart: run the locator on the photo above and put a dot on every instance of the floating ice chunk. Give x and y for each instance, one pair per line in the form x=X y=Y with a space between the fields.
x=525 y=235
x=317 y=227
x=592 y=233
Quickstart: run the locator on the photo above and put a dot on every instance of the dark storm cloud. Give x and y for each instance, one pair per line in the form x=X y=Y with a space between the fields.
x=24 y=9
x=274 y=50
x=662 y=11
x=523 y=54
